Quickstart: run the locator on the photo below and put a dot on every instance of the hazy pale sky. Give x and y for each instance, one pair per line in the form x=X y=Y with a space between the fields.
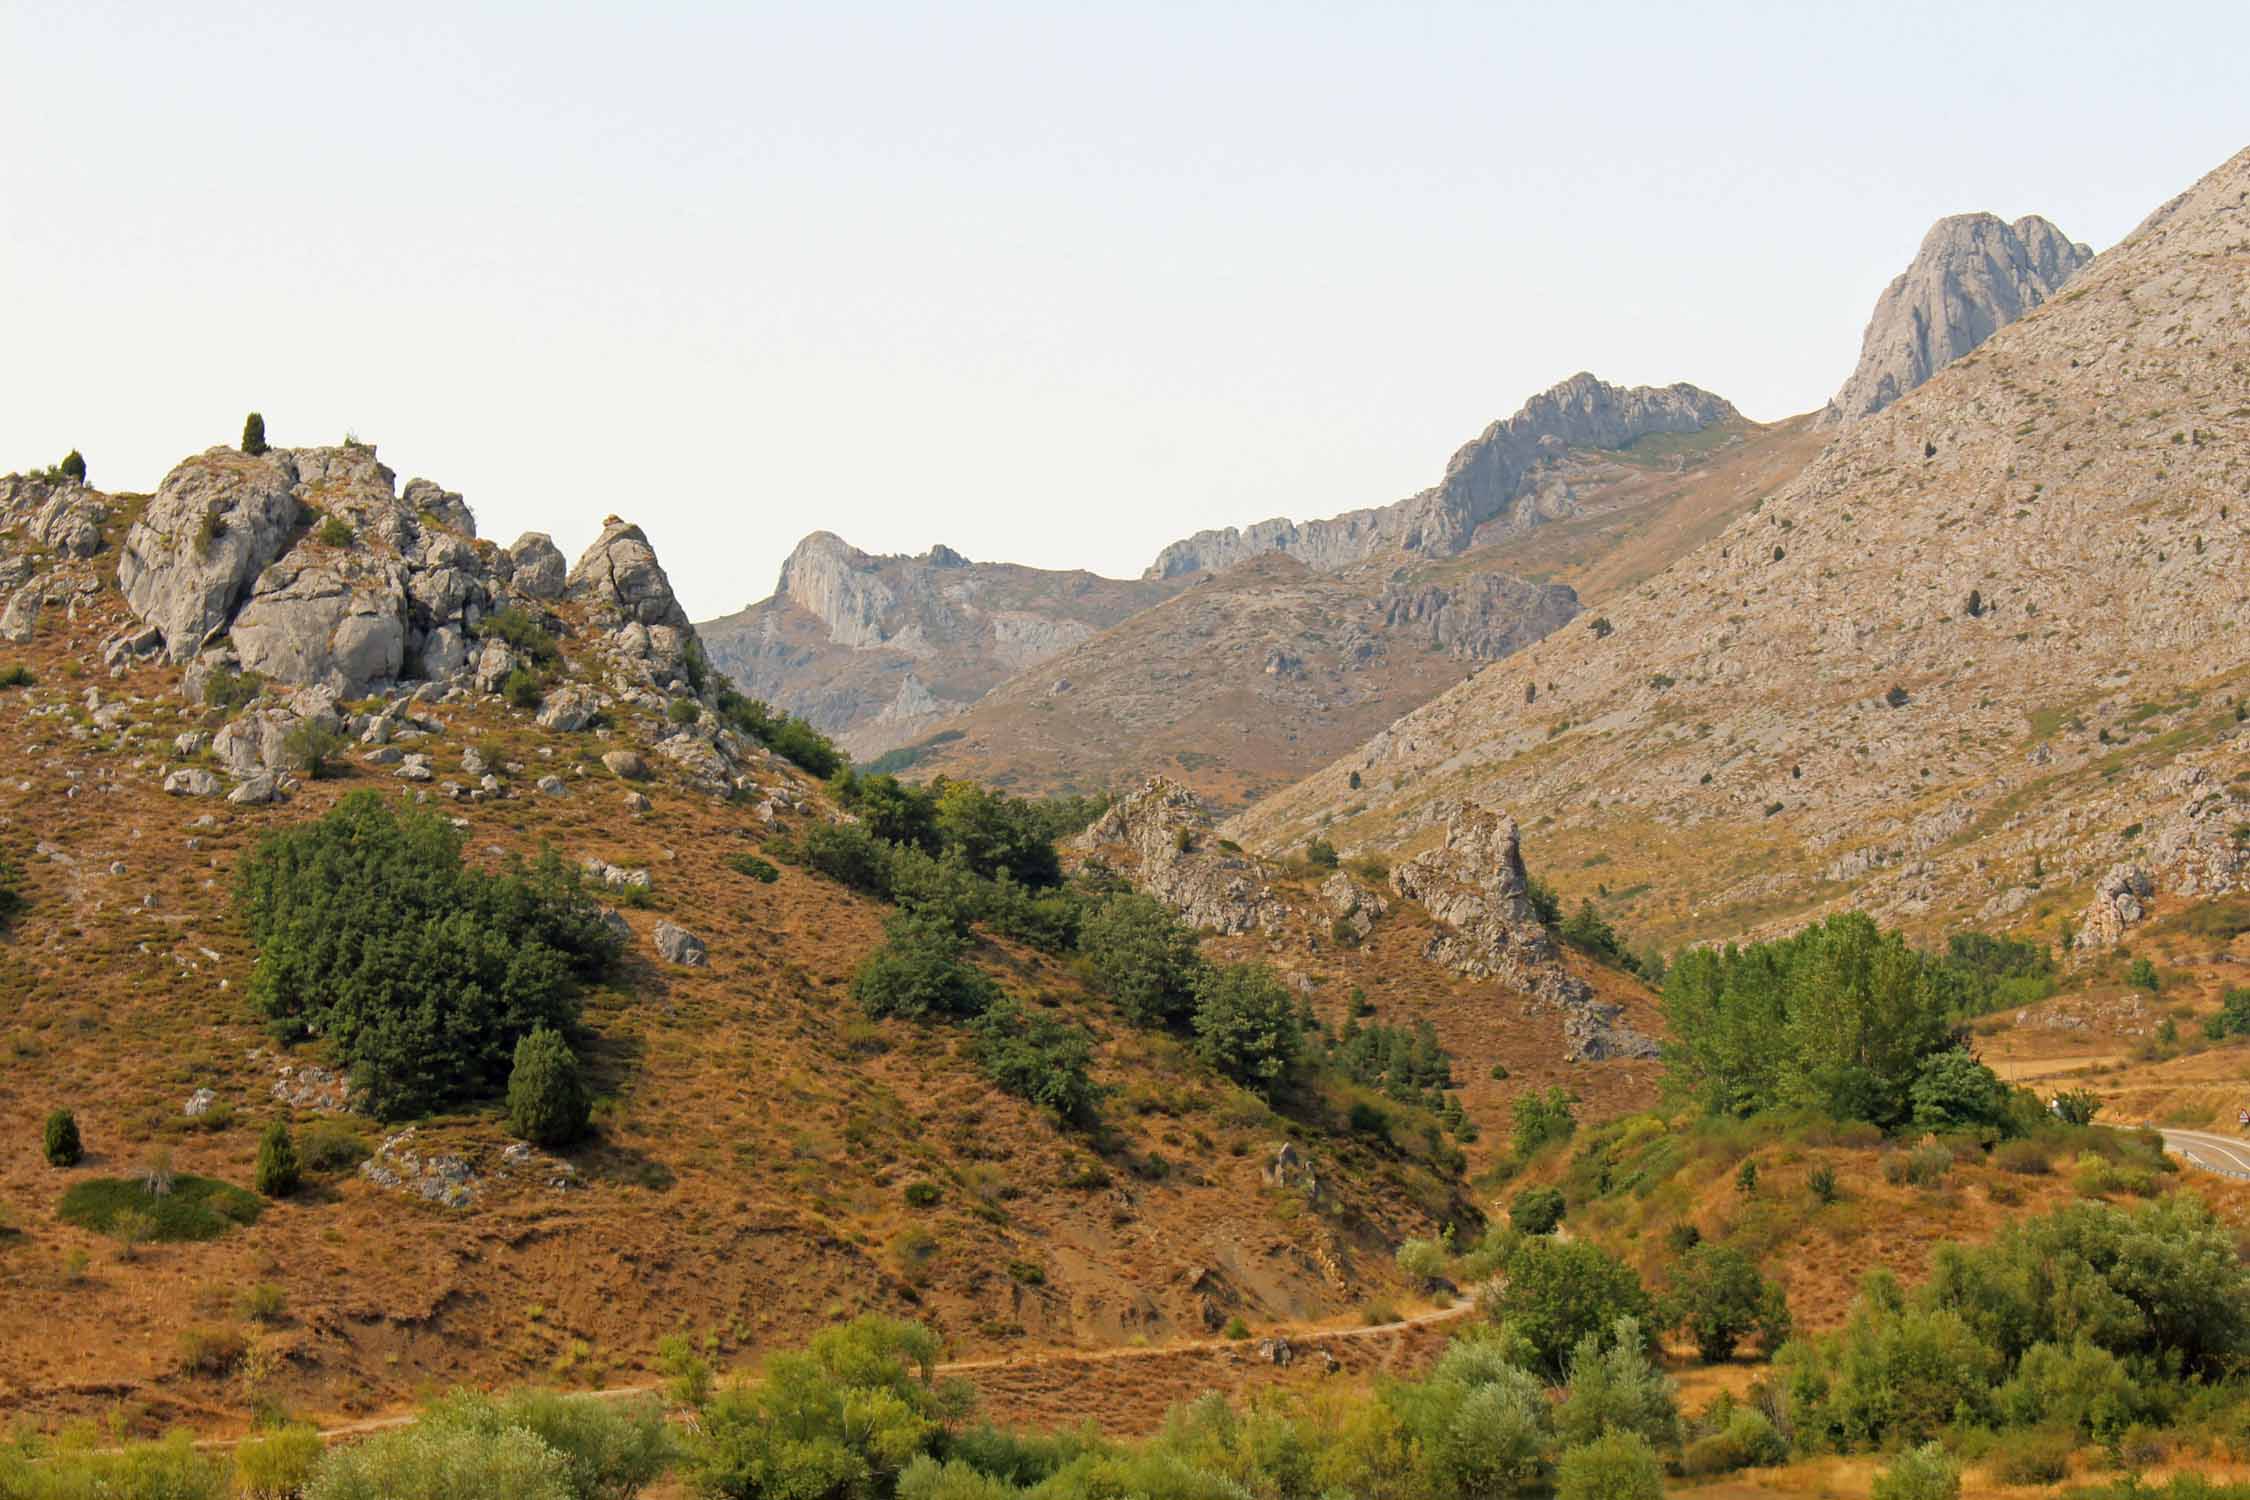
x=1053 y=283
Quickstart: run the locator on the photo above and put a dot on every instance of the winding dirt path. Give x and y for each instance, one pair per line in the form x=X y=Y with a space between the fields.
x=1302 y=1342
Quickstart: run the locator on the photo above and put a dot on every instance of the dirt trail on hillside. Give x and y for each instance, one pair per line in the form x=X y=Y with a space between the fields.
x=1063 y=1385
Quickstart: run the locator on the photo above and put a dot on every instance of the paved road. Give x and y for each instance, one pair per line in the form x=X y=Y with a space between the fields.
x=2227 y=1155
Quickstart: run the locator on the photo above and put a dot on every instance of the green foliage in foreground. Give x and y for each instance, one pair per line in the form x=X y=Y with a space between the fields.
x=421 y=972
x=196 y=1208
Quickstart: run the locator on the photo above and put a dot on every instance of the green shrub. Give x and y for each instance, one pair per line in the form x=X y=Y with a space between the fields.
x=194 y=1208
x=522 y=631
x=1537 y=1210
x=1145 y=957
x=610 y=1450
x=420 y=971
x=212 y=1352
x=1821 y=1183
x=330 y=1146
x=1747 y=1441
x=2026 y=1158
x=263 y=1302
x=919 y=972
x=229 y=690
x=1556 y=1293
x=277 y=1465
x=791 y=738
x=849 y=855
x=1046 y=1062
x=310 y=744
x=1615 y=1466
x=335 y=531
x=72 y=467
x=547 y=1100
x=922 y=1195
x=522 y=689
x=444 y=1462
x=1614 y=1386
x=1541 y=1118
x=1927 y=1166
x=683 y=711
x=168 y=1470
x=757 y=869
x=1718 y=1299
x=1321 y=854
x=1924 y=1473
x=1246 y=1025
x=60 y=1138
x=254 y=434
x=1236 y=1328
x=277 y=1175
x=2142 y=975
x=2032 y=1458
x=16 y=675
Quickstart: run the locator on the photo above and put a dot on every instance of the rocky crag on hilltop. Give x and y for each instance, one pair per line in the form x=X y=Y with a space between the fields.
x=1974 y=275
x=311 y=579
x=874 y=650
x=1992 y=644
x=1490 y=486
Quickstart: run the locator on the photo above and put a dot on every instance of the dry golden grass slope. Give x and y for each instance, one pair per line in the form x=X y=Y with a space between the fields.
x=755 y=1132
x=1989 y=645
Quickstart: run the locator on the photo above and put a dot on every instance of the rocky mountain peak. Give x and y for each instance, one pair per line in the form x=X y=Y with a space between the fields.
x=1488 y=480
x=837 y=583
x=1974 y=275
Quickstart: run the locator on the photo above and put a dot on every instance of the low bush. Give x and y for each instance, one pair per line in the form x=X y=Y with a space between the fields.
x=919 y=972
x=1924 y=1473
x=2029 y=1458
x=1537 y=1210
x=60 y=1138
x=277 y=1172
x=327 y=1147
x=212 y=1351
x=751 y=865
x=277 y=1465
x=1043 y=1061
x=2025 y=1158
x=193 y=1208
x=849 y=855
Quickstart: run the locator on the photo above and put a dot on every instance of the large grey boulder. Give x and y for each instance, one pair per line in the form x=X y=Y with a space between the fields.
x=1974 y=275
x=620 y=576
x=192 y=781
x=433 y=504
x=310 y=624
x=680 y=946
x=217 y=521
x=539 y=568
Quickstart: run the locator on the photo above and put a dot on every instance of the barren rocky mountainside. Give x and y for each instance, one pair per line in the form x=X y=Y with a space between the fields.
x=874 y=650
x=271 y=633
x=1261 y=673
x=1494 y=485
x=1974 y=275
x=1982 y=662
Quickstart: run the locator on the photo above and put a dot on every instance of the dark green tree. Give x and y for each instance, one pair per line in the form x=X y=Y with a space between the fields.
x=277 y=1175
x=1718 y=1298
x=73 y=466
x=1145 y=957
x=1537 y=1210
x=254 y=434
x=1246 y=1025
x=64 y=1149
x=1037 y=1059
x=919 y=972
x=1558 y=1292
x=547 y=1103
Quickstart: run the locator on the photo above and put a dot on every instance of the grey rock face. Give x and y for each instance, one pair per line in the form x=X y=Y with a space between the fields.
x=1163 y=833
x=680 y=946
x=192 y=781
x=620 y=575
x=1483 y=617
x=309 y=624
x=217 y=521
x=539 y=568
x=1476 y=886
x=1490 y=479
x=626 y=765
x=2121 y=899
x=1974 y=275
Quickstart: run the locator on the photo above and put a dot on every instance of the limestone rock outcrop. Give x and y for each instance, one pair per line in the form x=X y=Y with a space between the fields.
x=1163 y=837
x=214 y=524
x=1489 y=480
x=1974 y=275
x=1475 y=884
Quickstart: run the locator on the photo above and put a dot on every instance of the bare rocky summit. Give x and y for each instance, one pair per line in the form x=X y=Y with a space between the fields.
x=1991 y=644
x=1974 y=275
x=877 y=649
x=1491 y=484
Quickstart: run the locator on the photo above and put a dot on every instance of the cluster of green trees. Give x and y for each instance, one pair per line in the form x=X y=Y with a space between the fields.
x=533 y=1445
x=423 y=973
x=2089 y=1320
x=1843 y=1018
x=786 y=735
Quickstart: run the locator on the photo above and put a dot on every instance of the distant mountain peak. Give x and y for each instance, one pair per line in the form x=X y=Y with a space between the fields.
x=1973 y=275
x=1486 y=480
